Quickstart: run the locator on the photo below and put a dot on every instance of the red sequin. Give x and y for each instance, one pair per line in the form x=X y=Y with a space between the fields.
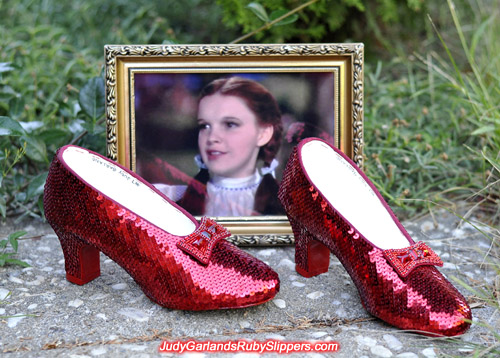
x=202 y=241
x=88 y=222
x=422 y=300
x=405 y=260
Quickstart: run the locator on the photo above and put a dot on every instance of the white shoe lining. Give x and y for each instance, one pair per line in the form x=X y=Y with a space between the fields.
x=126 y=190
x=351 y=195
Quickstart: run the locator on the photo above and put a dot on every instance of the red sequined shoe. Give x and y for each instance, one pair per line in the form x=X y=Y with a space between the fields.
x=333 y=206
x=94 y=204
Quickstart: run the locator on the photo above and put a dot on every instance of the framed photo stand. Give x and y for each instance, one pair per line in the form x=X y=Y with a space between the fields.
x=152 y=98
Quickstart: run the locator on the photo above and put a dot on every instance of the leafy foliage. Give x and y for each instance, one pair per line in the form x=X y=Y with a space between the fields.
x=421 y=113
x=322 y=20
x=6 y=253
x=435 y=132
x=262 y=14
x=89 y=25
x=48 y=120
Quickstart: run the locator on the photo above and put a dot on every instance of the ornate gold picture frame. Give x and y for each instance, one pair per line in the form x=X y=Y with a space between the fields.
x=152 y=100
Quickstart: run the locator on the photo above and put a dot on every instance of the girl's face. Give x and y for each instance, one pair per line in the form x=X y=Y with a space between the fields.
x=229 y=136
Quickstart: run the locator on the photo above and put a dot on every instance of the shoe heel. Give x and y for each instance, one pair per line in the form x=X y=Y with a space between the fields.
x=81 y=260
x=311 y=256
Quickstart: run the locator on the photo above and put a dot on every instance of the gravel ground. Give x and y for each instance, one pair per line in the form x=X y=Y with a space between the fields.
x=42 y=314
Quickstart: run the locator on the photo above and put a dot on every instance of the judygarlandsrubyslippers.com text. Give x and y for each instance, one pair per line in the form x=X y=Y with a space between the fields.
x=247 y=346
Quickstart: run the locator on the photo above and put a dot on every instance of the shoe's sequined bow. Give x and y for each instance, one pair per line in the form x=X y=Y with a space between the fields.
x=405 y=260
x=201 y=242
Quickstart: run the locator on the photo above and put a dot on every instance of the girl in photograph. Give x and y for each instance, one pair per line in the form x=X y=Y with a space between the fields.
x=239 y=127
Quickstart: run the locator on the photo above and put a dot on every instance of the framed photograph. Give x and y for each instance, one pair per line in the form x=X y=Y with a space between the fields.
x=212 y=126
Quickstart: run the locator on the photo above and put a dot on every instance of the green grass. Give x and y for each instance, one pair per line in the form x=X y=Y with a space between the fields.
x=432 y=121
x=431 y=116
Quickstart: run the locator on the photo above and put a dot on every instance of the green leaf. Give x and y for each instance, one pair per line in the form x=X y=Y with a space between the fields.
x=16 y=106
x=14 y=243
x=16 y=235
x=36 y=185
x=35 y=149
x=89 y=126
x=2 y=299
x=55 y=137
x=482 y=130
x=10 y=127
x=287 y=20
x=3 y=243
x=31 y=126
x=259 y=11
x=18 y=262
x=5 y=67
x=479 y=34
x=6 y=93
x=21 y=196
x=92 y=98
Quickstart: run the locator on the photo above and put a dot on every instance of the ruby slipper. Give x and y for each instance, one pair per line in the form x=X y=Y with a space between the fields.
x=96 y=205
x=334 y=207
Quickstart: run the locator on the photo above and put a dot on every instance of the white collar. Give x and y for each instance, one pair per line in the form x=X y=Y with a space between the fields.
x=264 y=170
x=249 y=182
